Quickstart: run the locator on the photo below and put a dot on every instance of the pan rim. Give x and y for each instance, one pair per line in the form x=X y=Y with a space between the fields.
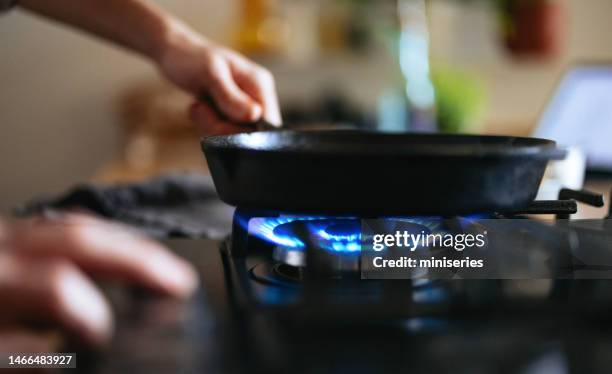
x=507 y=146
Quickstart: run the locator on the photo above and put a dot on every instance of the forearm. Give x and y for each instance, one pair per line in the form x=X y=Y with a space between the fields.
x=135 y=24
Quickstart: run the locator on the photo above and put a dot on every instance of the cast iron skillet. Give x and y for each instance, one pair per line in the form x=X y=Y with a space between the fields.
x=367 y=173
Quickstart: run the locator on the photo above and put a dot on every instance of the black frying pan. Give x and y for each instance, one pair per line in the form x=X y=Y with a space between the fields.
x=367 y=173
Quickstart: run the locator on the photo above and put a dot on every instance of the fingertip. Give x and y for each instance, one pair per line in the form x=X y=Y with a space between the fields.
x=254 y=113
x=188 y=283
x=85 y=308
x=173 y=276
x=275 y=119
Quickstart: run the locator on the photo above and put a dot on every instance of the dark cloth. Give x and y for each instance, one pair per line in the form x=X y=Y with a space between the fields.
x=174 y=205
x=6 y=5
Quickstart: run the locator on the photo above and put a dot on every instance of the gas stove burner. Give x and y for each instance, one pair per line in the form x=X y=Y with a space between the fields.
x=296 y=275
x=335 y=234
x=339 y=240
x=338 y=235
x=330 y=243
x=281 y=275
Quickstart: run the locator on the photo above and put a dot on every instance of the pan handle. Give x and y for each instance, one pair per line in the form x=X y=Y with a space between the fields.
x=553 y=153
x=261 y=125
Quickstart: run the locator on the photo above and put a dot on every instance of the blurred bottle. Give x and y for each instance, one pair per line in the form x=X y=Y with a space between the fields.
x=414 y=64
x=261 y=29
x=410 y=104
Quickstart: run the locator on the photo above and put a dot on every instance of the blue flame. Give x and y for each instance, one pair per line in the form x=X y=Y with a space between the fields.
x=348 y=237
x=466 y=221
x=263 y=228
x=338 y=235
x=345 y=247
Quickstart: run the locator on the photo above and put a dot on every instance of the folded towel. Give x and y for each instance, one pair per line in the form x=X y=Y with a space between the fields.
x=174 y=205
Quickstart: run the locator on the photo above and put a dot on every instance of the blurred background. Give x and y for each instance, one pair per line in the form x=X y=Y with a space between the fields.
x=75 y=109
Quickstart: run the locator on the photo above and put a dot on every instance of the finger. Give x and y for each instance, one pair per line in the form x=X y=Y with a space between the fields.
x=107 y=250
x=231 y=100
x=209 y=123
x=55 y=291
x=259 y=84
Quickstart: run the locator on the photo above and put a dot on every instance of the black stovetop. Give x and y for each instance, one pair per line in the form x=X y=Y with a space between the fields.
x=247 y=319
x=205 y=334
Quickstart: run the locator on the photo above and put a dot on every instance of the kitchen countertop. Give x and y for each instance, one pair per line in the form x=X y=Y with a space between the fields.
x=161 y=335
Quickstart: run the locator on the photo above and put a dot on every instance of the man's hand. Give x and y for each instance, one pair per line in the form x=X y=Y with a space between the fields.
x=45 y=269
x=241 y=91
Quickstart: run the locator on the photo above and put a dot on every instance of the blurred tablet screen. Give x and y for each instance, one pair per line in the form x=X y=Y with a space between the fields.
x=580 y=114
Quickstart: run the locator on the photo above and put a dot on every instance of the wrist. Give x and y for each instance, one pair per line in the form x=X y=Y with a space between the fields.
x=174 y=35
